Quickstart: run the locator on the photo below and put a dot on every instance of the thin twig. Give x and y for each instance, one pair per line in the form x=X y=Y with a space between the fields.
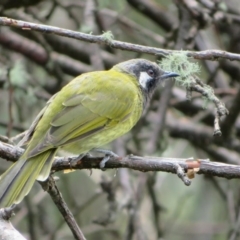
x=221 y=111
x=229 y=121
x=157 y=208
x=207 y=54
x=57 y=198
x=10 y=103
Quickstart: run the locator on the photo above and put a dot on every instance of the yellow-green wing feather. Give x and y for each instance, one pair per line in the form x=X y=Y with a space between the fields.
x=18 y=180
x=86 y=106
x=95 y=103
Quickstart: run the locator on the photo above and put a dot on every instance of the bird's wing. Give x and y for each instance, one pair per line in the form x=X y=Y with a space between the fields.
x=99 y=103
x=29 y=133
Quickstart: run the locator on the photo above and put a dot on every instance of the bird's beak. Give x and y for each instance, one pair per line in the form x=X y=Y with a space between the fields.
x=169 y=75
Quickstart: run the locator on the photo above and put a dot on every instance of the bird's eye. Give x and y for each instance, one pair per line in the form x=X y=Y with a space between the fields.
x=150 y=73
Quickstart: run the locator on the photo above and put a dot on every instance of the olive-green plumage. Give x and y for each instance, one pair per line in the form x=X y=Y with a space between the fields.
x=92 y=110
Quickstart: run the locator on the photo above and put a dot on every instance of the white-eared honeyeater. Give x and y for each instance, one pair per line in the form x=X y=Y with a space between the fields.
x=90 y=111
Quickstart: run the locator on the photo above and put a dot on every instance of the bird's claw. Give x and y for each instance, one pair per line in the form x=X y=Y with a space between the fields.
x=103 y=162
x=108 y=155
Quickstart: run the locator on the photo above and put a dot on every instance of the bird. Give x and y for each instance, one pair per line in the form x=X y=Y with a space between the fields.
x=90 y=111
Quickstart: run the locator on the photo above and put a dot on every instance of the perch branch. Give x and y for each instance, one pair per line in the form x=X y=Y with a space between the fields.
x=143 y=164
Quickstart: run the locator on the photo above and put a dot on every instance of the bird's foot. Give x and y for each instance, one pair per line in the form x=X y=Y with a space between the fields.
x=74 y=161
x=108 y=155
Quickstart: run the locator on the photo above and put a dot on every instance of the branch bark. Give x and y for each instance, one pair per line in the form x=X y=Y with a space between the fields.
x=143 y=164
x=7 y=231
x=57 y=198
x=206 y=55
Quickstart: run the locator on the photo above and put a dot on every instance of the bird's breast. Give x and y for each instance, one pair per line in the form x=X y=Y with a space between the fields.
x=106 y=135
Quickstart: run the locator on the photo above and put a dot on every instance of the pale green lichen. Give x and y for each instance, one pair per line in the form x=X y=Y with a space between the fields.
x=108 y=37
x=187 y=70
x=179 y=63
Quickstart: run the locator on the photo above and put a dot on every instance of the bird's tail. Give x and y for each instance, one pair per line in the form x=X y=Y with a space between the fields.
x=18 y=180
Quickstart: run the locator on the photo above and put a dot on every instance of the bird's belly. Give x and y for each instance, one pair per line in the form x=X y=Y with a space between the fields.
x=98 y=139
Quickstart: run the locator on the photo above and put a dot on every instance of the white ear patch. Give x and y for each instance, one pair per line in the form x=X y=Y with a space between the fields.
x=143 y=79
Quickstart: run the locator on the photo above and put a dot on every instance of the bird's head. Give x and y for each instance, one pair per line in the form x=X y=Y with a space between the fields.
x=148 y=74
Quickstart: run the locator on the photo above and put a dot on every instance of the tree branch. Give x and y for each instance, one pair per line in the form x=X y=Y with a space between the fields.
x=143 y=164
x=7 y=231
x=100 y=39
x=57 y=198
x=38 y=54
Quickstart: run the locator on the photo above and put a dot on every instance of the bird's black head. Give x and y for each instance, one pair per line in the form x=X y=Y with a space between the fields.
x=148 y=74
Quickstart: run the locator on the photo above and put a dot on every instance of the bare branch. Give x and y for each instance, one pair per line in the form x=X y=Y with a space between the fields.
x=7 y=231
x=143 y=164
x=207 y=54
x=39 y=55
x=57 y=198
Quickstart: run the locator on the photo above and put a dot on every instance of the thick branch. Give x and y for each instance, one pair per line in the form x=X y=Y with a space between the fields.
x=39 y=55
x=16 y=4
x=143 y=164
x=101 y=39
x=7 y=231
x=154 y=11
